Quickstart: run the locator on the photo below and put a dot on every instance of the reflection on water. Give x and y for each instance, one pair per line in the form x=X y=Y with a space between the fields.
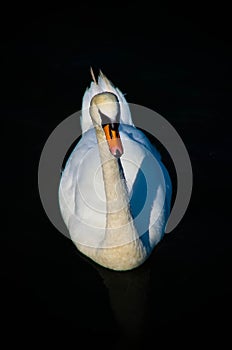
x=129 y=300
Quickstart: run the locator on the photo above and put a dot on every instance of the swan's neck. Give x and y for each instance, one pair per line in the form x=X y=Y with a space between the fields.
x=119 y=220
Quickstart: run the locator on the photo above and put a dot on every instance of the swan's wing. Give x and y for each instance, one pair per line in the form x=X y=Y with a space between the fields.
x=81 y=193
x=138 y=136
x=157 y=198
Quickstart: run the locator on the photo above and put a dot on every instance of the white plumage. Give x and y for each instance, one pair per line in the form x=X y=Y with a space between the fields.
x=115 y=209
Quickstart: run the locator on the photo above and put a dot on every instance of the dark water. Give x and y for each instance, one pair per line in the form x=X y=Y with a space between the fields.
x=177 y=63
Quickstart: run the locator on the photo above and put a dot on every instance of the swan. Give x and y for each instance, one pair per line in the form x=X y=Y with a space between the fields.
x=114 y=191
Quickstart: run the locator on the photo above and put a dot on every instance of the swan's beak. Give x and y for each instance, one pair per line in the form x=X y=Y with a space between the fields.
x=113 y=139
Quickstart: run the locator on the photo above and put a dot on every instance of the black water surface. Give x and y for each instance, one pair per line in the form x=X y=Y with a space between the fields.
x=174 y=59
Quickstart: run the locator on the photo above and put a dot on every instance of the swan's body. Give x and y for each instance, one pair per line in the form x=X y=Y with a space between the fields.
x=107 y=181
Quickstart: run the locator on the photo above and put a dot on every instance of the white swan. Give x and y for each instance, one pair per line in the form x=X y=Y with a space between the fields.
x=114 y=192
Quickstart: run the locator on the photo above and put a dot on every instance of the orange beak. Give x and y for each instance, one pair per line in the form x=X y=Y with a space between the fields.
x=113 y=139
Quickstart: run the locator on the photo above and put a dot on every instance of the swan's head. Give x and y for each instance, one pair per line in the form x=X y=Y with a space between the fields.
x=105 y=113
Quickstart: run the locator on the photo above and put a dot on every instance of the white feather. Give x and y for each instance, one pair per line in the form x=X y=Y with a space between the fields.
x=82 y=194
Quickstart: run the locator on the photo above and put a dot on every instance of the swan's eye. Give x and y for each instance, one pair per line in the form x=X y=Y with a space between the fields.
x=106 y=120
x=114 y=126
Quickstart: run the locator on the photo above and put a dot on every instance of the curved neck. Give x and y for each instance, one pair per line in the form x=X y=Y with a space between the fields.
x=117 y=198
